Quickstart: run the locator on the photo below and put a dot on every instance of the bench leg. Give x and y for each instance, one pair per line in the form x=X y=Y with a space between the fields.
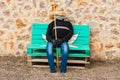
x=29 y=63
x=87 y=65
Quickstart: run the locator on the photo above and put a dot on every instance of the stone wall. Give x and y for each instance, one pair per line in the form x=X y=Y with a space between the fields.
x=103 y=16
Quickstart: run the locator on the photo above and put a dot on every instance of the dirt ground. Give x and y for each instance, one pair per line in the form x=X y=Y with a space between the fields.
x=15 y=68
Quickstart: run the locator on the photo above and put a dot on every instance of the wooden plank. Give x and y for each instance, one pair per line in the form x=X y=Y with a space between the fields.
x=47 y=66
x=69 y=61
x=78 y=61
x=45 y=25
x=37 y=46
x=78 y=55
x=38 y=41
x=38 y=60
x=40 y=66
x=70 y=54
x=76 y=67
x=39 y=25
x=79 y=47
x=41 y=31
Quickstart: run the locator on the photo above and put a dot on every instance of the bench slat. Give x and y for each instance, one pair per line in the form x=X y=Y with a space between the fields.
x=38 y=41
x=72 y=47
x=85 y=38
x=79 y=47
x=37 y=37
x=43 y=31
x=37 y=46
x=76 y=42
x=75 y=26
x=70 y=54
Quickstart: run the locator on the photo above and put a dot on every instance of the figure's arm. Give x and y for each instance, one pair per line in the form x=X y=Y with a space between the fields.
x=69 y=35
x=49 y=32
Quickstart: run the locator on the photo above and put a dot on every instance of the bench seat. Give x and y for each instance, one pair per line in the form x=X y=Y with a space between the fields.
x=79 y=48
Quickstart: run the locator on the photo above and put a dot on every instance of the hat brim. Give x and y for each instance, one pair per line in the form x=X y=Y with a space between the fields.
x=59 y=13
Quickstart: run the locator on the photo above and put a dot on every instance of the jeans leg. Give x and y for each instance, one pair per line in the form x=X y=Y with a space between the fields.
x=65 y=51
x=50 y=56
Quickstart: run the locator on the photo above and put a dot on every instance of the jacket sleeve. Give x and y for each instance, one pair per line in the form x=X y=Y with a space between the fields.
x=70 y=34
x=49 y=32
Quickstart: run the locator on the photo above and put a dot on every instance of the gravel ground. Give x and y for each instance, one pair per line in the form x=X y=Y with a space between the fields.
x=15 y=68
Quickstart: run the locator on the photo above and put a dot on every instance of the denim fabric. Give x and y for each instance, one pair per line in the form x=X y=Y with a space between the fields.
x=65 y=50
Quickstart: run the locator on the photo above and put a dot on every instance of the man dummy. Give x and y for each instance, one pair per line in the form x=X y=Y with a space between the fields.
x=64 y=31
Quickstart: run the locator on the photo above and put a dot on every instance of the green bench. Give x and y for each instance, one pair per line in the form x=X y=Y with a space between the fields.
x=79 y=49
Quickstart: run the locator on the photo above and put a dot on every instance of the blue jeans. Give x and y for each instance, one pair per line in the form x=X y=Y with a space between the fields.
x=65 y=50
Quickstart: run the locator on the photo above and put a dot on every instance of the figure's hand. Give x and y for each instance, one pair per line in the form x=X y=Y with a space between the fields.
x=59 y=41
x=54 y=42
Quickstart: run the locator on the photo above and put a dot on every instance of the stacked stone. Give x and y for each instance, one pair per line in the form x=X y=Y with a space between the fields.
x=103 y=16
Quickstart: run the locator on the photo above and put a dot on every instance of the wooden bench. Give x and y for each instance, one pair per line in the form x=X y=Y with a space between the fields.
x=79 y=49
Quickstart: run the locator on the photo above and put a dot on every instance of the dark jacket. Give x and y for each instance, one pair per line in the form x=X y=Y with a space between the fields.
x=64 y=30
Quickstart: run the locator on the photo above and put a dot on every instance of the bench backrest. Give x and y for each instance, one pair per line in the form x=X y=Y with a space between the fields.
x=83 y=32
